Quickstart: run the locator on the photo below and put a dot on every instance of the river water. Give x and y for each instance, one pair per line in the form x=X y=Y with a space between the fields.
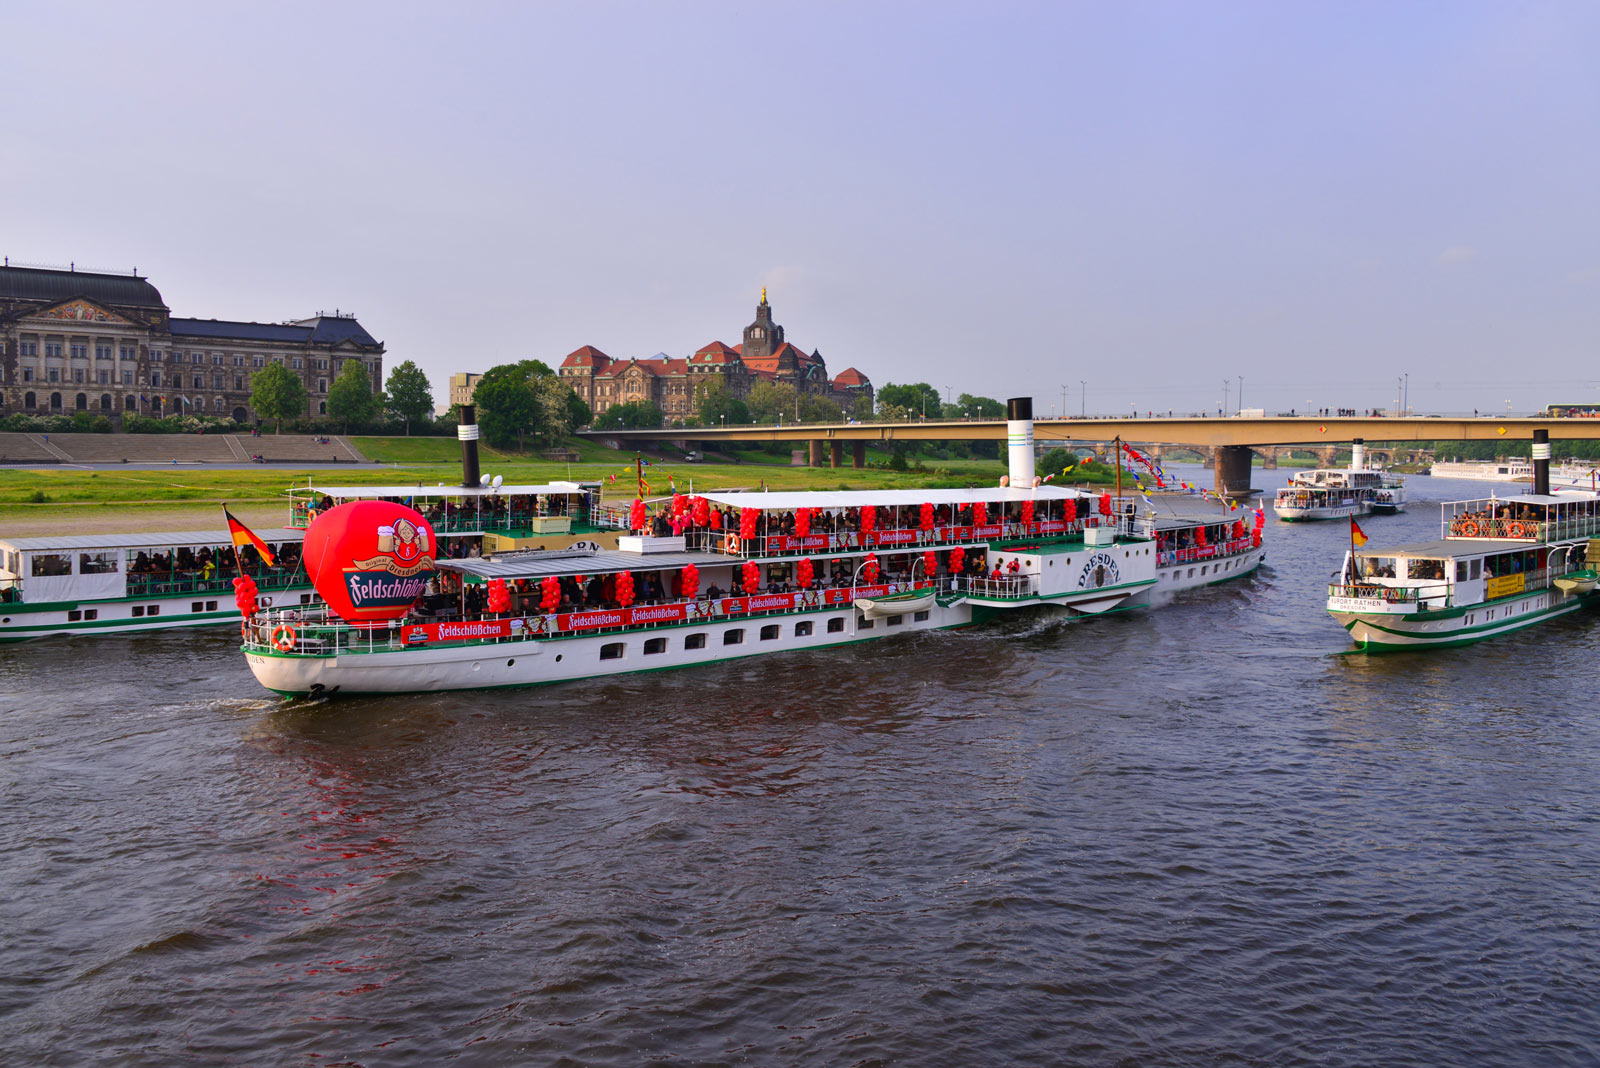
x=1201 y=835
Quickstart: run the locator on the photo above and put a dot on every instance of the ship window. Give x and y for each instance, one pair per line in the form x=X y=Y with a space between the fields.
x=733 y=637
x=803 y=628
x=865 y=624
x=138 y=610
x=153 y=610
x=45 y=564
x=1203 y=568
x=91 y=613
x=1191 y=572
x=611 y=651
x=895 y=621
x=1461 y=570
x=695 y=641
x=1477 y=569
x=921 y=617
x=96 y=563
x=197 y=606
x=769 y=633
x=74 y=616
x=211 y=606
x=655 y=645
x=836 y=625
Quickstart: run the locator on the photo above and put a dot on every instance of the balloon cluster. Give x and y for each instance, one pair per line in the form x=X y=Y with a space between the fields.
x=747 y=522
x=1255 y=535
x=1105 y=504
x=958 y=560
x=550 y=593
x=802 y=522
x=1070 y=510
x=625 y=588
x=499 y=596
x=680 y=504
x=926 y=519
x=244 y=595
x=930 y=563
x=869 y=518
x=636 y=515
x=1200 y=536
x=716 y=520
x=803 y=573
x=1238 y=528
x=752 y=577
x=1027 y=511
x=701 y=510
x=980 y=514
x=869 y=570
x=690 y=580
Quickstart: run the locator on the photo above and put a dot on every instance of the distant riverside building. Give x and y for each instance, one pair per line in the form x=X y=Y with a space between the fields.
x=82 y=341
x=673 y=383
x=463 y=386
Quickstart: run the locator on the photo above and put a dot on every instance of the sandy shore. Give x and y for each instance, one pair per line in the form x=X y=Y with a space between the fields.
x=104 y=519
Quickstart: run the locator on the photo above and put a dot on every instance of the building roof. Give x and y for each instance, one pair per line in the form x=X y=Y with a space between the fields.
x=31 y=283
x=236 y=331
x=851 y=377
x=334 y=329
x=588 y=356
x=716 y=352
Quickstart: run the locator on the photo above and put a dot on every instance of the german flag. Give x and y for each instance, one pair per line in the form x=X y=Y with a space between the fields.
x=1357 y=536
x=243 y=535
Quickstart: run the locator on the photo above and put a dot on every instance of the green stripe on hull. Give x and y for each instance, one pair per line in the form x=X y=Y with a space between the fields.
x=1457 y=636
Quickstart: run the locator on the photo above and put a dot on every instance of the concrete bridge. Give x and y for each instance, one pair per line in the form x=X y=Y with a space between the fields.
x=1230 y=439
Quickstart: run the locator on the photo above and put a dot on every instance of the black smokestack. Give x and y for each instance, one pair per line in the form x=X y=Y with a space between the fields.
x=1019 y=408
x=1541 y=462
x=468 y=433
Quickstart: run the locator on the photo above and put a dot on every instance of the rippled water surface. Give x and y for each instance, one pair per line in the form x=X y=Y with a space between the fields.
x=1201 y=835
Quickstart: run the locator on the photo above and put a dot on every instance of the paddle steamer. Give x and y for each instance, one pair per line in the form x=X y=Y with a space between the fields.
x=1500 y=565
x=1337 y=493
x=733 y=574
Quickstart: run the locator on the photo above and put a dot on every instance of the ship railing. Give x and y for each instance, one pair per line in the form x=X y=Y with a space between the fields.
x=163 y=583
x=1434 y=595
x=730 y=543
x=1471 y=526
x=1007 y=588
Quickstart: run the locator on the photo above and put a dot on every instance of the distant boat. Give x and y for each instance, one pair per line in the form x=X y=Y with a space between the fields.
x=1485 y=471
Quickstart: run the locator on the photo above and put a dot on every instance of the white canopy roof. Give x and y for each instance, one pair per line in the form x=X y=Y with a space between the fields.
x=168 y=540
x=348 y=492
x=787 y=501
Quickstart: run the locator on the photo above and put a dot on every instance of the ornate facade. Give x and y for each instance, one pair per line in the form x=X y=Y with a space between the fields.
x=80 y=341
x=674 y=384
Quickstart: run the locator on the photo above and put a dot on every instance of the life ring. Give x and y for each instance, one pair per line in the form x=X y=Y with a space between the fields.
x=1517 y=530
x=1468 y=528
x=283 y=638
x=731 y=543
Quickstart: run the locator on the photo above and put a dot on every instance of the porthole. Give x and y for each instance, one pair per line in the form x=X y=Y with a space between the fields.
x=511 y=662
x=558 y=658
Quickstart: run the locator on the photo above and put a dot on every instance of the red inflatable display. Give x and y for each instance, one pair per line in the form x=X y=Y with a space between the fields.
x=369 y=560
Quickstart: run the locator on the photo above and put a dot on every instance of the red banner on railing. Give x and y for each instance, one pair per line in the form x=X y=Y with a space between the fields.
x=790 y=543
x=459 y=631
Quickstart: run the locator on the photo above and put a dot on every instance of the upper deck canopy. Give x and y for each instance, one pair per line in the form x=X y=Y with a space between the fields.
x=790 y=500
x=346 y=492
x=163 y=540
x=537 y=563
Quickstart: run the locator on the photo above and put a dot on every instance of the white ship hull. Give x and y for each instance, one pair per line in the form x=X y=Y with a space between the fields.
x=1418 y=630
x=92 y=618
x=1484 y=472
x=1191 y=574
x=1290 y=513
x=534 y=661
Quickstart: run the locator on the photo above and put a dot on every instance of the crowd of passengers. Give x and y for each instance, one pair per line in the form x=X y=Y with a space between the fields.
x=839 y=520
x=445 y=597
x=208 y=562
x=1485 y=519
x=503 y=508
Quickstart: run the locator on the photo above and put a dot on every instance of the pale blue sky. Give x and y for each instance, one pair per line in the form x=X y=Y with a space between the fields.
x=996 y=198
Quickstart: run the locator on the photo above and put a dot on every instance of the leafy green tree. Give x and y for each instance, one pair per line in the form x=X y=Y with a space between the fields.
x=770 y=400
x=980 y=407
x=716 y=405
x=815 y=409
x=350 y=398
x=635 y=415
x=861 y=409
x=578 y=411
x=277 y=394
x=917 y=399
x=506 y=404
x=410 y=394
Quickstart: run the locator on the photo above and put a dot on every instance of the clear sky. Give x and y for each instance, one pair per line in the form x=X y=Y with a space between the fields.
x=996 y=198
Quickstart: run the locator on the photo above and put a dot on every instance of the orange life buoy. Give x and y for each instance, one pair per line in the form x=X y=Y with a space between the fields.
x=283 y=638
x=731 y=543
x=1469 y=528
x=1517 y=530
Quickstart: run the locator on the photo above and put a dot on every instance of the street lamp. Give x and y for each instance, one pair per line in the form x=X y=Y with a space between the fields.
x=1083 y=399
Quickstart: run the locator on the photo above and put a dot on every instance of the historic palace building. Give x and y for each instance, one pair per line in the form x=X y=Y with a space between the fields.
x=674 y=384
x=79 y=341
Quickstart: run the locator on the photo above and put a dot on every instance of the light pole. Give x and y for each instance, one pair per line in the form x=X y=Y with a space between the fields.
x=1241 y=394
x=1063 y=402
x=1224 y=409
x=1083 y=399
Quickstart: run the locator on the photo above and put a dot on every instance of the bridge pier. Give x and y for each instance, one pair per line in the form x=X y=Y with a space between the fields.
x=1269 y=457
x=1328 y=455
x=858 y=450
x=835 y=453
x=816 y=452
x=1233 y=470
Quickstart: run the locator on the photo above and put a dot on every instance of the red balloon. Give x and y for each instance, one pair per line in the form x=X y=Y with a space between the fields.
x=369 y=560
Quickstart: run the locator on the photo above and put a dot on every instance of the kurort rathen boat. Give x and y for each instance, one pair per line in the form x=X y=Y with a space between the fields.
x=1340 y=492
x=732 y=574
x=1501 y=564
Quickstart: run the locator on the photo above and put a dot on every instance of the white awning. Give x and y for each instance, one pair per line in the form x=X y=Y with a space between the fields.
x=366 y=492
